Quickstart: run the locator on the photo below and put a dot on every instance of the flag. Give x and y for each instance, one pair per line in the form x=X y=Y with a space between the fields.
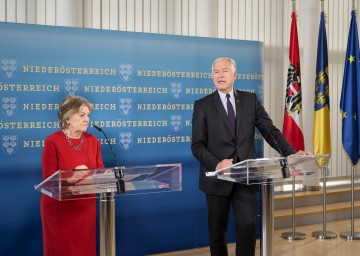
x=349 y=105
x=321 y=129
x=293 y=102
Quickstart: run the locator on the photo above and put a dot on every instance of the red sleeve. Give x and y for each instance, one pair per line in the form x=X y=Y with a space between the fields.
x=99 y=161
x=49 y=159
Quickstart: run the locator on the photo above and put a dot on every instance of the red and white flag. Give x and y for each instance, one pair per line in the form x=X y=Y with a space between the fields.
x=292 y=127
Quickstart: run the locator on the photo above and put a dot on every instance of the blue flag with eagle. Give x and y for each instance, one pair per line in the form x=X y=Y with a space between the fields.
x=349 y=104
x=321 y=129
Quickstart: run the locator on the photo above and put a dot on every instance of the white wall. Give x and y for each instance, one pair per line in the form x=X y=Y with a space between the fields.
x=263 y=20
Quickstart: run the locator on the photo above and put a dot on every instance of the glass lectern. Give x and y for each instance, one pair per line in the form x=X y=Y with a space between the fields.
x=105 y=183
x=267 y=172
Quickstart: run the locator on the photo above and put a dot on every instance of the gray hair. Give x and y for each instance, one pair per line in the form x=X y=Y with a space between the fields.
x=232 y=63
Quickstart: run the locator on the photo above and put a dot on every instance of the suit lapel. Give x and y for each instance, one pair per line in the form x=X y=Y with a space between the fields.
x=239 y=109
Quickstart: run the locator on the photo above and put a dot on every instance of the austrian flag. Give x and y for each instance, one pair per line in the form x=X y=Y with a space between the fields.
x=293 y=102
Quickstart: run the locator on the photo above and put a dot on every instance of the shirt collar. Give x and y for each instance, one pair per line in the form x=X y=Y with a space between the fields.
x=223 y=95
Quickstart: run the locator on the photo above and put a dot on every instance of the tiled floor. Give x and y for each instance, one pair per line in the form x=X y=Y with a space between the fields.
x=310 y=246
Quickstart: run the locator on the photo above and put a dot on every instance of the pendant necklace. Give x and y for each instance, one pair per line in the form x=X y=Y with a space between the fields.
x=76 y=147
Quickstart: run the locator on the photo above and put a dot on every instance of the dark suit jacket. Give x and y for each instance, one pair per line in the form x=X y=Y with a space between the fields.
x=214 y=140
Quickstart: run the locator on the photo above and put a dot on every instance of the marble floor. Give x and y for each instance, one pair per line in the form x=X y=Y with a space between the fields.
x=310 y=246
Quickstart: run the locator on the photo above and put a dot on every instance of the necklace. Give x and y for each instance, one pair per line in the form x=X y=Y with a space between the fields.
x=76 y=147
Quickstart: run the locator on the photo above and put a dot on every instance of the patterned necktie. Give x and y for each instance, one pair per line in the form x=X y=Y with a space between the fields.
x=231 y=113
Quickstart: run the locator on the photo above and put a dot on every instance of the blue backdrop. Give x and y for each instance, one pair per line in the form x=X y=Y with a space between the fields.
x=143 y=87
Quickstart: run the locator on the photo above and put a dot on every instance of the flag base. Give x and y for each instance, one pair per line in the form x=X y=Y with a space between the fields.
x=311 y=188
x=311 y=182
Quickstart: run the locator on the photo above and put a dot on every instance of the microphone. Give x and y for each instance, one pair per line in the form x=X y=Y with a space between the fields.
x=119 y=174
x=283 y=162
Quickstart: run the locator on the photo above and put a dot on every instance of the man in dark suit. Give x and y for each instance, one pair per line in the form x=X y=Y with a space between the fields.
x=223 y=134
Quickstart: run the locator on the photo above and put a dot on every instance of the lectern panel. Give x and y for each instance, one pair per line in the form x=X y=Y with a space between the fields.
x=81 y=184
x=277 y=169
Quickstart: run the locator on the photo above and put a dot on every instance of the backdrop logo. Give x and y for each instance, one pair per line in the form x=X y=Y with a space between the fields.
x=175 y=90
x=71 y=86
x=126 y=140
x=9 y=105
x=176 y=122
x=125 y=106
x=9 y=144
x=125 y=71
x=8 y=68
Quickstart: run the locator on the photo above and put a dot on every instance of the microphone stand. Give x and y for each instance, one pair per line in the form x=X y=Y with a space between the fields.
x=286 y=174
x=119 y=170
x=107 y=244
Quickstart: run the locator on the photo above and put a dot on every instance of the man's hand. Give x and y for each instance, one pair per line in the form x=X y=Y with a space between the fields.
x=224 y=163
x=301 y=152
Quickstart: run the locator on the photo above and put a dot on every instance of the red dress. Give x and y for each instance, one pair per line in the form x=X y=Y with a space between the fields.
x=69 y=227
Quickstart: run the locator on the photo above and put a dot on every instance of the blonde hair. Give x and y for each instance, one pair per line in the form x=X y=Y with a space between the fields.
x=70 y=106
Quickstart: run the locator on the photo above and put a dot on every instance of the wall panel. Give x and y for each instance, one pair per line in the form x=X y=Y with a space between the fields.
x=267 y=21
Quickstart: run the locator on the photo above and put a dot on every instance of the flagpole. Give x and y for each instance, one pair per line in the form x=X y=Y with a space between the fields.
x=322 y=5
x=293 y=5
x=293 y=235
x=324 y=234
x=324 y=146
x=348 y=107
x=351 y=235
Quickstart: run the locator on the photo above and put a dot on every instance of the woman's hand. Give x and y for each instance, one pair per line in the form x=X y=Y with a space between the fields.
x=79 y=175
x=81 y=167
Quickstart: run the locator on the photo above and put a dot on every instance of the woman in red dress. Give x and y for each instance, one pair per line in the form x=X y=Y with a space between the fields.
x=69 y=227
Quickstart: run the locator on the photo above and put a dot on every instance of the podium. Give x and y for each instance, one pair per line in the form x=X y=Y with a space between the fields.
x=267 y=172
x=104 y=184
